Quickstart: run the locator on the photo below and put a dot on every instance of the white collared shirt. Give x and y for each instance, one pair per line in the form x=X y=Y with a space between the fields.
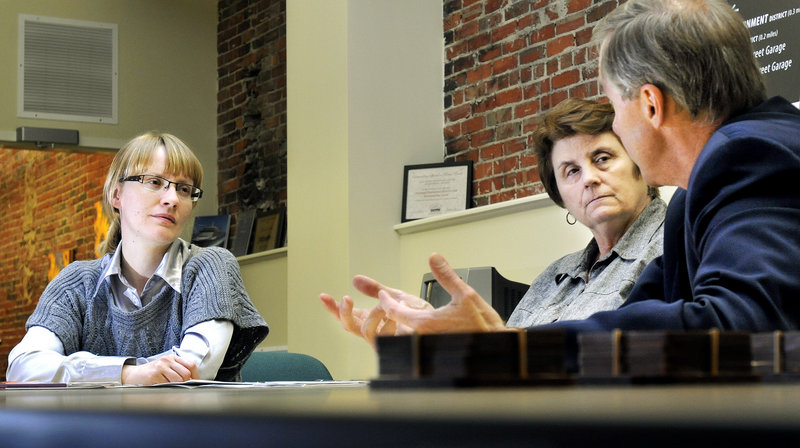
x=40 y=355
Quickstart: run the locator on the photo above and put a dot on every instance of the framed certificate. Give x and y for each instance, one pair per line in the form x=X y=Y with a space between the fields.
x=269 y=230
x=435 y=189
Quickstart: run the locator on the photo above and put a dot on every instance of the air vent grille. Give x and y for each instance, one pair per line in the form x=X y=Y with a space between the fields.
x=67 y=70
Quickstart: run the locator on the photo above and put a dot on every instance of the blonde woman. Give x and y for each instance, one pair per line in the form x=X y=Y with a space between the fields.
x=154 y=308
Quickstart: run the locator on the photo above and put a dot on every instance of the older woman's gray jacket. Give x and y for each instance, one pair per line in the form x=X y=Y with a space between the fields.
x=575 y=286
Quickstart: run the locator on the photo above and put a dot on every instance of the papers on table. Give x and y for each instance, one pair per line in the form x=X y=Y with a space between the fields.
x=247 y=385
x=186 y=384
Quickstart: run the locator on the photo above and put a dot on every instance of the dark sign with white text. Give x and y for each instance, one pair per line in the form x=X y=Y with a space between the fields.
x=775 y=33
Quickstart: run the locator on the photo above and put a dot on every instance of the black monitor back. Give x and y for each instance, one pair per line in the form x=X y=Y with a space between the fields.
x=501 y=293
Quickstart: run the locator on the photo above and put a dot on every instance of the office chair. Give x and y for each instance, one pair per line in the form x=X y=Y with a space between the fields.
x=283 y=366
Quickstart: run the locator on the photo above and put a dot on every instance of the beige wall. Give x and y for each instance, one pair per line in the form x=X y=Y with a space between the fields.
x=265 y=276
x=364 y=82
x=167 y=73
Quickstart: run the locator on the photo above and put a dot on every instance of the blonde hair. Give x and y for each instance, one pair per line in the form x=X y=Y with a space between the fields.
x=132 y=159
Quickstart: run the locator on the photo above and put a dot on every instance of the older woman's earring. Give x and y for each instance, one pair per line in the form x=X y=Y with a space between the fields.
x=572 y=223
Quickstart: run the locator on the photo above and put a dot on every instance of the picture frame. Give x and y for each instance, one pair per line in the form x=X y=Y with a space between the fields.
x=240 y=245
x=211 y=231
x=436 y=188
x=269 y=230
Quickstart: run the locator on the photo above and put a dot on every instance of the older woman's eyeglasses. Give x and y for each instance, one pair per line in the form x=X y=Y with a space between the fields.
x=156 y=183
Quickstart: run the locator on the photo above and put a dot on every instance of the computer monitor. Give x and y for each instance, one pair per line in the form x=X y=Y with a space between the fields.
x=499 y=292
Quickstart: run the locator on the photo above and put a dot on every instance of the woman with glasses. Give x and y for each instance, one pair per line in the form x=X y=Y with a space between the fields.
x=154 y=308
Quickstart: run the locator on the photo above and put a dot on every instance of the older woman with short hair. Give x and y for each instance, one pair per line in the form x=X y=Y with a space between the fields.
x=585 y=169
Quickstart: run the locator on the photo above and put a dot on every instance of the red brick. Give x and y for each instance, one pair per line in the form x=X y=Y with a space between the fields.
x=565 y=61
x=527 y=21
x=457 y=113
x=531 y=55
x=543 y=34
x=484 y=185
x=483 y=170
x=452 y=21
x=491 y=152
x=479 y=42
x=509 y=96
x=455 y=50
x=471 y=13
x=504 y=64
x=490 y=53
x=583 y=37
x=481 y=138
x=493 y=5
x=457 y=145
x=510 y=180
x=525 y=109
x=503 y=31
x=552 y=66
x=472 y=125
x=479 y=73
x=528 y=160
x=559 y=44
x=571 y=25
x=581 y=91
x=514 y=45
x=510 y=164
x=565 y=79
x=515 y=146
x=465 y=31
x=452 y=131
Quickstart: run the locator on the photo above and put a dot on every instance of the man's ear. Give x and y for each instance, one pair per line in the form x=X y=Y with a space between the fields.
x=652 y=101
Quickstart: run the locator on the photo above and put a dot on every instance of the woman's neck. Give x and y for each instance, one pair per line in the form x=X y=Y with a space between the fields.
x=139 y=262
x=609 y=235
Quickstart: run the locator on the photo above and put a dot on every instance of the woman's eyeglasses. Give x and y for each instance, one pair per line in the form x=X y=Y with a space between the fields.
x=156 y=183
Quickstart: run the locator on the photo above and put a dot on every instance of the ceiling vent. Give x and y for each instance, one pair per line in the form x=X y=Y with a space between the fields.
x=67 y=70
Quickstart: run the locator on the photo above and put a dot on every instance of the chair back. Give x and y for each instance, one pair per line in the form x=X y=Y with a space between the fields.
x=283 y=366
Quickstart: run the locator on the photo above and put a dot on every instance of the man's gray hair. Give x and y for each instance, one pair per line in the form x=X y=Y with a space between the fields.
x=696 y=51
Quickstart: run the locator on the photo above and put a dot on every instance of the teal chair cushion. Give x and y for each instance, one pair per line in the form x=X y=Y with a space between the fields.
x=283 y=366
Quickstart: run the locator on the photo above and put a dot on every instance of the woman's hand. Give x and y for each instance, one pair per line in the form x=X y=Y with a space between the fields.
x=168 y=369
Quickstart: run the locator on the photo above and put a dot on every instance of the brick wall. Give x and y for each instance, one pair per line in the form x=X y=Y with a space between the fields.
x=506 y=62
x=251 y=114
x=48 y=202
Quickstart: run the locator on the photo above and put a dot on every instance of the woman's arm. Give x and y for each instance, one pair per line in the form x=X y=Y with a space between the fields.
x=40 y=357
x=204 y=344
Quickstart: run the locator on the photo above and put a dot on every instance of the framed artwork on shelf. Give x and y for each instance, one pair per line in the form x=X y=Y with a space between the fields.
x=211 y=231
x=269 y=230
x=435 y=189
x=244 y=228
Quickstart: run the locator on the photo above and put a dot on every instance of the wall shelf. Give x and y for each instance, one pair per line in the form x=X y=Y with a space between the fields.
x=262 y=256
x=475 y=214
